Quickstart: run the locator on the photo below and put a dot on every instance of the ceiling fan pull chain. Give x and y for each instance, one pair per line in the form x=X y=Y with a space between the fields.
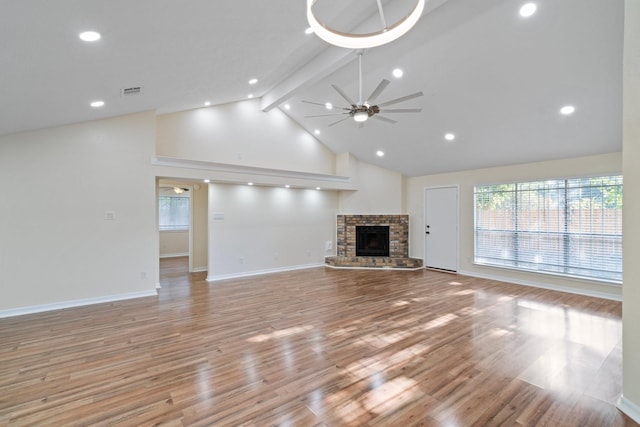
x=384 y=21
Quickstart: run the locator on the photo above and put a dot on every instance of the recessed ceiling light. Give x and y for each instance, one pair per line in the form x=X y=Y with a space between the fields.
x=397 y=73
x=253 y=81
x=89 y=36
x=287 y=186
x=379 y=153
x=206 y=181
x=97 y=104
x=317 y=131
x=287 y=107
x=318 y=188
x=328 y=106
x=528 y=9
x=250 y=96
x=449 y=137
x=309 y=30
x=208 y=103
x=567 y=109
x=249 y=183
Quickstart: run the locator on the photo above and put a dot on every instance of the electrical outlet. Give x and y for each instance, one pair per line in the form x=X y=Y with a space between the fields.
x=143 y=275
x=328 y=245
x=241 y=260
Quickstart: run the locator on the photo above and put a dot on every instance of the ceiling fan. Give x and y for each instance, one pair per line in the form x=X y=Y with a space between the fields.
x=361 y=111
x=174 y=189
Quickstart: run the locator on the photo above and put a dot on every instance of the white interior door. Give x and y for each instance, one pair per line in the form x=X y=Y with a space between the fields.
x=441 y=228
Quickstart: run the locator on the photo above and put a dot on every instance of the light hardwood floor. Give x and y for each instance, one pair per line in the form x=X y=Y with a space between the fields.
x=318 y=347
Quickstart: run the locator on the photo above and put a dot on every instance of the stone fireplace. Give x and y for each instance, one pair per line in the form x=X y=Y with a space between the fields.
x=391 y=251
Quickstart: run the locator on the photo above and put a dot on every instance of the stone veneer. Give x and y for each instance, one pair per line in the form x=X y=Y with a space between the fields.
x=398 y=233
x=398 y=242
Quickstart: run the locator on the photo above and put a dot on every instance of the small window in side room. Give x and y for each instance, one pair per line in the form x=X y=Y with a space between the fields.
x=174 y=211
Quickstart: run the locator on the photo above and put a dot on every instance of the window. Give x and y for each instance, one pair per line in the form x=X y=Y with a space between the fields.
x=174 y=213
x=571 y=227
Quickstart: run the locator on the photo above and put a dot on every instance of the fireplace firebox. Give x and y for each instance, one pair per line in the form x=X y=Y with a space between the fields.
x=372 y=240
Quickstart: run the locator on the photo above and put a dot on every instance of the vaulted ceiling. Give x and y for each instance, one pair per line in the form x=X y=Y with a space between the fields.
x=491 y=77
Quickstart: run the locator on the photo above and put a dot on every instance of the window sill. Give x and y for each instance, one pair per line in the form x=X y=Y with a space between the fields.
x=605 y=282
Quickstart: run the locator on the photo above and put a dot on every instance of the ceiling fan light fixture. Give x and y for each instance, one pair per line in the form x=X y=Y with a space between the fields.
x=361 y=116
x=368 y=40
x=178 y=190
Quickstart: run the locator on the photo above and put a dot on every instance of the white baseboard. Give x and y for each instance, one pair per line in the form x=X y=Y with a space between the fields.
x=629 y=408
x=174 y=255
x=260 y=272
x=199 y=269
x=533 y=284
x=74 y=303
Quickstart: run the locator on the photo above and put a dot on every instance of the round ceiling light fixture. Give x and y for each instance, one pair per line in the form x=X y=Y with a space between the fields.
x=363 y=41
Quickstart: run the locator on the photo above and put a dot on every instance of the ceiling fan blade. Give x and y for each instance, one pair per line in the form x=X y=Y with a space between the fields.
x=314 y=103
x=325 y=115
x=325 y=105
x=384 y=119
x=402 y=110
x=341 y=120
x=403 y=98
x=342 y=94
x=377 y=91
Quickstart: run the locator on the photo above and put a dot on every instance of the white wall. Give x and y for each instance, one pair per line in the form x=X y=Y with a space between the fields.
x=268 y=228
x=596 y=165
x=55 y=245
x=174 y=243
x=240 y=133
x=379 y=190
x=630 y=402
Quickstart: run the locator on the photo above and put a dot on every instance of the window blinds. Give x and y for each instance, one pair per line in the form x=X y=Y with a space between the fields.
x=570 y=227
x=174 y=213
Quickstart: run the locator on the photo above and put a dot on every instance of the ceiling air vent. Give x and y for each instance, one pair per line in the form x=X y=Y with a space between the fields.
x=132 y=91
